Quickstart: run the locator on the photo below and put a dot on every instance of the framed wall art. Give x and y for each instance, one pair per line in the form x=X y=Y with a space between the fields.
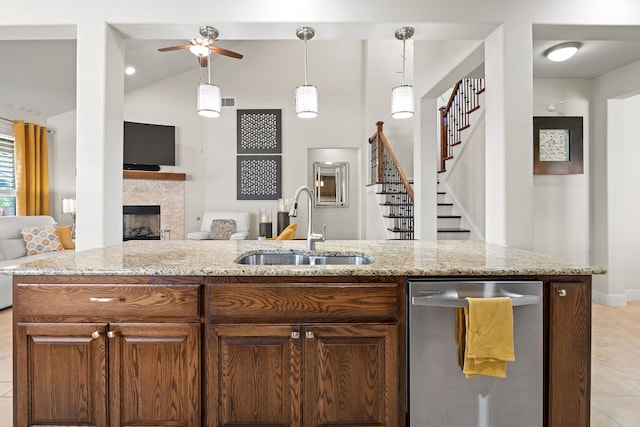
x=259 y=177
x=557 y=146
x=259 y=131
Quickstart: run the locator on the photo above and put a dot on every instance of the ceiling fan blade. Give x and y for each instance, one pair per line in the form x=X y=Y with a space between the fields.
x=167 y=49
x=225 y=52
x=203 y=61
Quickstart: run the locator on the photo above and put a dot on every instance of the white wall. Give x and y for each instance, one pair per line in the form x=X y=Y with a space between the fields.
x=561 y=202
x=465 y=180
x=628 y=157
x=62 y=163
x=607 y=203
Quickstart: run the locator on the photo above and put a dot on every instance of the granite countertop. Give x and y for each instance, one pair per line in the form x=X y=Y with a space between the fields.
x=217 y=258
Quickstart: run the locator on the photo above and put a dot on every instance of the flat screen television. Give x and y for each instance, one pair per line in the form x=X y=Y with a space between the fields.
x=147 y=146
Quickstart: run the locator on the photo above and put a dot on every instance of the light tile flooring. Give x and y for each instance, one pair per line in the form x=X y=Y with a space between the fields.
x=615 y=385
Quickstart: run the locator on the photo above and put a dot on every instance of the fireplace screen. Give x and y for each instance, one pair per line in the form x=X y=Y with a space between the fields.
x=141 y=222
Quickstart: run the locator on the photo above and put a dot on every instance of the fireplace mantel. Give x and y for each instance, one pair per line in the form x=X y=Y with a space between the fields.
x=161 y=176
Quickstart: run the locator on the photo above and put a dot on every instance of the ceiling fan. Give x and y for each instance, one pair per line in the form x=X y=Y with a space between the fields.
x=202 y=47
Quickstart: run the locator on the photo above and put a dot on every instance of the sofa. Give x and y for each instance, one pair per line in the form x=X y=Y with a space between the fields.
x=242 y=223
x=13 y=249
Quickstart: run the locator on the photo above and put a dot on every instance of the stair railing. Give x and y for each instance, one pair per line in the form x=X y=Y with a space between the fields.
x=396 y=188
x=454 y=116
x=385 y=166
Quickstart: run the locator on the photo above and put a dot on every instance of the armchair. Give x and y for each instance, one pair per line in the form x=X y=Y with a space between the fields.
x=242 y=220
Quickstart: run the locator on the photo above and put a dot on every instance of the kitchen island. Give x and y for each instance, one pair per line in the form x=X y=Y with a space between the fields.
x=177 y=333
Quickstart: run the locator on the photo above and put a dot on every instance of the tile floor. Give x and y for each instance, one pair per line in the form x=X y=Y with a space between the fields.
x=615 y=385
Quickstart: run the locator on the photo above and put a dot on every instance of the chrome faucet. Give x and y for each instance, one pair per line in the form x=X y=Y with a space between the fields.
x=312 y=237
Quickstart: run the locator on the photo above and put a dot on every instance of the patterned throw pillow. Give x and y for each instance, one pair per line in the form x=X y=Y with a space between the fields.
x=222 y=229
x=38 y=240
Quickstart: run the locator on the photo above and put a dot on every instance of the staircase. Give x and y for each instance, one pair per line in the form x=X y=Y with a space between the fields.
x=450 y=222
x=394 y=192
x=455 y=118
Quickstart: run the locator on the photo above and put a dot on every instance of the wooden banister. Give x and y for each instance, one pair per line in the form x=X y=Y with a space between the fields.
x=454 y=115
x=383 y=144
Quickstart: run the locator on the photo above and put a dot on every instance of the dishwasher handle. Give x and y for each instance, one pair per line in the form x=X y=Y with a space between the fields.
x=447 y=301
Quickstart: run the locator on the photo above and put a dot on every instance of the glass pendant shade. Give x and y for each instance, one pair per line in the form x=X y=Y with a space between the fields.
x=306 y=101
x=402 y=102
x=209 y=101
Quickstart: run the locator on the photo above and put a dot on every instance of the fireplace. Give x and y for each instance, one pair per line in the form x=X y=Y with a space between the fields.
x=141 y=222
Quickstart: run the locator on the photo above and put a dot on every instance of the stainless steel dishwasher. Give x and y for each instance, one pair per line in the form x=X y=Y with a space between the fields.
x=439 y=393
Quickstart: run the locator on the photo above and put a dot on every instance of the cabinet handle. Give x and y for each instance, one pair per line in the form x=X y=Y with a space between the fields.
x=103 y=299
x=562 y=292
x=295 y=335
x=95 y=335
x=112 y=334
x=309 y=334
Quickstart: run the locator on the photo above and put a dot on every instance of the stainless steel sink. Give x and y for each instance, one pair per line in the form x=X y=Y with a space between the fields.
x=293 y=258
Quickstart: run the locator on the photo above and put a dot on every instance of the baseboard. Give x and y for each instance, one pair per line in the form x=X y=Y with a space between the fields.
x=633 y=294
x=613 y=300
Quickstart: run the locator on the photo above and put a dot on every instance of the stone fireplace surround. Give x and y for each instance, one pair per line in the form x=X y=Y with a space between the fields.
x=158 y=188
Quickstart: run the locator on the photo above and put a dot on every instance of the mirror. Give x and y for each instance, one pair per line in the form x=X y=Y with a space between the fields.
x=331 y=184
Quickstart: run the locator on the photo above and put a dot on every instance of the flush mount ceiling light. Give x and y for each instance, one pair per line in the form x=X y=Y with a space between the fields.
x=562 y=52
x=306 y=95
x=209 y=100
x=402 y=96
x=130 y=70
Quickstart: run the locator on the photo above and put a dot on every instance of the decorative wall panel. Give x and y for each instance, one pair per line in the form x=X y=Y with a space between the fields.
x=259 y=177
x=259 y=131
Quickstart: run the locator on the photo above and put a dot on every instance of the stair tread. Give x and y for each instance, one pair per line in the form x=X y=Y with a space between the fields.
x=382 y=193
x=445 y=204
x=450 y=216
x=395 y=204
x=400 y=230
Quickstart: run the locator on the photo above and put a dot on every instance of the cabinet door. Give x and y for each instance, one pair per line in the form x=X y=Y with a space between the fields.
x=253 y=375
x=60 y=374
x=351 y=375
x=154 y=374
x=569 y=355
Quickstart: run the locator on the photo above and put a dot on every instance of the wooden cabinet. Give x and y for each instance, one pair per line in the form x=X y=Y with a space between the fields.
x=60 y=374
x=247 y=351
x=569 y=353
x=77 y=366
x=292 y=365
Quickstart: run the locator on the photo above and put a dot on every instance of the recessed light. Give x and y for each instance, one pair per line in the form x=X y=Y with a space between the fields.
x=130 y=70
x=562 y=52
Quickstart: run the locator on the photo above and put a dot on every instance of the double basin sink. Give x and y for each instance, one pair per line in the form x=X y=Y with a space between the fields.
x=302 y=258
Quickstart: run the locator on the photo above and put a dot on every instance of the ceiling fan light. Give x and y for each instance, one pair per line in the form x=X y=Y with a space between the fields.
x=209 y=100
x=402 y=102
x=562 y=51
x=199 y=50
x=306 y=101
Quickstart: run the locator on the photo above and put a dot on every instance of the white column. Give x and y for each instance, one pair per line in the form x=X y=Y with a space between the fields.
x=509 y=161
x=100 y=95
x=425 y=163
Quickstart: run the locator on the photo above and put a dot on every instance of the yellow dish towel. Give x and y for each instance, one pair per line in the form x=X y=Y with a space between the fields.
x=488 y=337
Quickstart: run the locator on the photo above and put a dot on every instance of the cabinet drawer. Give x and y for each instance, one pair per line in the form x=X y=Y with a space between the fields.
x=80 y=302
x=302 y=302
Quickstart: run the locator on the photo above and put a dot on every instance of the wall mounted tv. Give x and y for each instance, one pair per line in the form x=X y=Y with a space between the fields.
x=147 y=146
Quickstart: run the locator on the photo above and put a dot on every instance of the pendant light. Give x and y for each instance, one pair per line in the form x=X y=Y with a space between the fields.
x=402 y=96
x=209 y=100
x=306 y=95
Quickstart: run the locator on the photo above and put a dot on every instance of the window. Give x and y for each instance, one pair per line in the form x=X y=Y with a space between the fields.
x=7 y=176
